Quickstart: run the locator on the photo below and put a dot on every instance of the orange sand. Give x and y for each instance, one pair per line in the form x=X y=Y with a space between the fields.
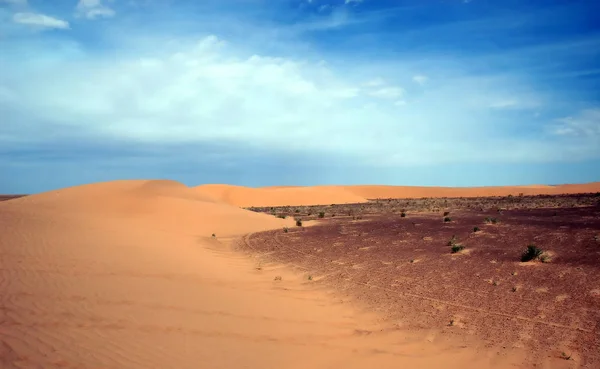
x=325 y=195
x=126 y=275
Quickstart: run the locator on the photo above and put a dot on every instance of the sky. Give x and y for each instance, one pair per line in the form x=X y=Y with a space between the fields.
x=299 y=92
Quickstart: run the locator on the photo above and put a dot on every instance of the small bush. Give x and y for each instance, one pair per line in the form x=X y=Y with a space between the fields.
x=446 y=213
x=532 y=253
x=282 y=216
x=447 y=219
x=299 y=223
x=456 y=248
x=321 y=214
x=310 y=277
x=285 y=230
x=491 y=220
x=452 y=241
x=214 y=235
x=278 y=278
x=403 y=215
x=475 y=229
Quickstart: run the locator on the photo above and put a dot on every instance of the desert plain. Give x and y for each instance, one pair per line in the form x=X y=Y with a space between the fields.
x=156 y=274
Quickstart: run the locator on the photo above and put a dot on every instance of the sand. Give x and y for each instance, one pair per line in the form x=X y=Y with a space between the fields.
x=279 y=196
x=326 y=195
x=127 y=274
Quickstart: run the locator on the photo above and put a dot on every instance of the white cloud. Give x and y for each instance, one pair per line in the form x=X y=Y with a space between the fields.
x=585 y=125
x=420 y=79
x=40 y=20
x=92 y=9
x=353 y=1
x=375 y=82
x=388 y=93
x=210 y=90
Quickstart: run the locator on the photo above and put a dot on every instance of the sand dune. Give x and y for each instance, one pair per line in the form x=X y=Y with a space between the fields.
x=279 y=196
x=325 y=195
x=374 y=192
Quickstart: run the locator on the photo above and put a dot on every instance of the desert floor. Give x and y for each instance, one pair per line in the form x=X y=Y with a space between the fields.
x=149 y=274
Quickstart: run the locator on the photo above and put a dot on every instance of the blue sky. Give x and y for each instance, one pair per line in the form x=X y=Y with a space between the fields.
x=284 y=92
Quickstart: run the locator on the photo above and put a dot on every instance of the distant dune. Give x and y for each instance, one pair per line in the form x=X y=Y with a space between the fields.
x=276 y=196
x=374 y=192
x=324 y=195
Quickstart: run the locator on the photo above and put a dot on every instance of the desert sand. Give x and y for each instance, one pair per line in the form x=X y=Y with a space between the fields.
x=324 y=195
x=128 y=274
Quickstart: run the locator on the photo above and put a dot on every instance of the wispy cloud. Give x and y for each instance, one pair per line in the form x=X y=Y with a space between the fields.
x=586 y=125
x=40 y=20
x=420 y=79
x=387 y=93
x=92 y=9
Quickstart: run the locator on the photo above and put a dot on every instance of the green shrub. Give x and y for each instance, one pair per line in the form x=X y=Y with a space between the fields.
x=403 y=215
x=447 y=219
x=285 y=230
x=322 y=214
x=456 y=248
x=475 y=229
x=299 y=223
x=532 y=253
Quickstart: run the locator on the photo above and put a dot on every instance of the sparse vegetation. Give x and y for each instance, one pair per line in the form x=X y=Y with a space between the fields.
x=475 y=229
x=532 y=253
x=491 y=220
x=456 y=248
x=285 y=230
x=403 y=215
x=299 y=223
x=515 y=288
x=447 y=219
x=310 y=277
x=565 y=356
x=446 y=213
x=282 y=216
x=321 y=214
x=451 y=323
x=214 y=235
x=452 y=240
x=278 y=278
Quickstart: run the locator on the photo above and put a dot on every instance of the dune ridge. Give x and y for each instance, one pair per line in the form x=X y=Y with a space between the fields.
x=325 y=195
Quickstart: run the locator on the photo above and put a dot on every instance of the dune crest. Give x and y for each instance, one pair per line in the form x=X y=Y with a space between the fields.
x=325 y=195
x=280 y=196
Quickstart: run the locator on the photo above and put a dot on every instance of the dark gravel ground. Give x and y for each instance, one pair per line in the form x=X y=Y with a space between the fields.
x=403 y=268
